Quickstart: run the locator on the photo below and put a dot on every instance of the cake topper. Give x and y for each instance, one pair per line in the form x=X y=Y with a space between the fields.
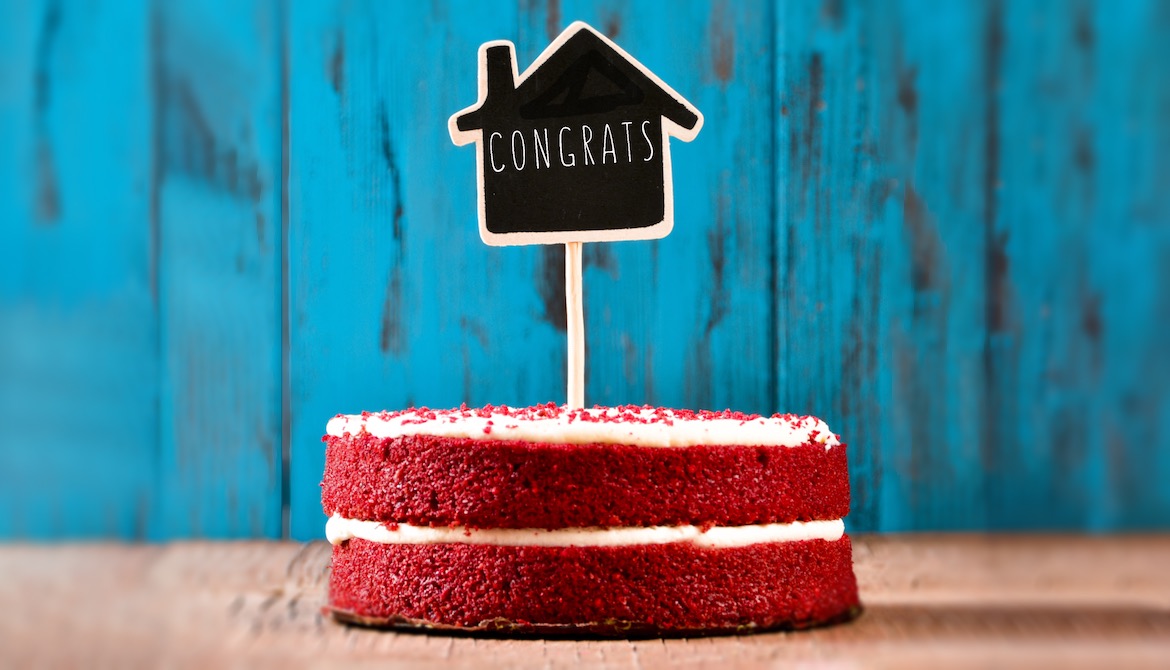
x=575 y=149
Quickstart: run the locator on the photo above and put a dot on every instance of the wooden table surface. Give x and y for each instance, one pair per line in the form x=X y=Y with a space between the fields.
x=932 y=601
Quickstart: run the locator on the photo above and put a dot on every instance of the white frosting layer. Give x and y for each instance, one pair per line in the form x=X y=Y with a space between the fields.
x=661 y=428
x=339 y=529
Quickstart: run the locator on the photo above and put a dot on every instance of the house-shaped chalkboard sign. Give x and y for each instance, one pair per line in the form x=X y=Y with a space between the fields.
x=575 y=149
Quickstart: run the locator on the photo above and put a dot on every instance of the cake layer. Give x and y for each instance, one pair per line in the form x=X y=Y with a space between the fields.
x=339 y=529
x=653 y=589
x=486 y=483
x=627 y=424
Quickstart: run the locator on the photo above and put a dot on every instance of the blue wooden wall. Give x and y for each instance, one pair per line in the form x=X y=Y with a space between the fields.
x=944 y=227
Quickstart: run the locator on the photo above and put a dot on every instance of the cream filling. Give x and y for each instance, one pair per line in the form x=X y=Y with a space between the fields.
x=661 y=428
x=339 y=529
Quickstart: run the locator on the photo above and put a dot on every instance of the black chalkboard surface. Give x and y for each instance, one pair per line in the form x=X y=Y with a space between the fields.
x=576 y=149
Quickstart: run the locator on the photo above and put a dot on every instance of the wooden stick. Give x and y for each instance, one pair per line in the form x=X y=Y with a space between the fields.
x=575 y=311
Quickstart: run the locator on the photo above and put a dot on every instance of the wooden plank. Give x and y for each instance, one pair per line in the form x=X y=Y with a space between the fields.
x=1077 y=366
x=394 y=299
x=879 y=261
x=1039 y=299
x=78 y=319
x=216 y=195
x=835 y=195
x=929 y=79
x=932 y=601
x=1131 y=179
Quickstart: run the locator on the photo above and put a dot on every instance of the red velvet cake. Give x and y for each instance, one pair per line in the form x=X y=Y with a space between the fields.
x=627 y=520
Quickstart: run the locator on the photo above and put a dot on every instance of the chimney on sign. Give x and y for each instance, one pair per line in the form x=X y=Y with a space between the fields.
x=500 y=81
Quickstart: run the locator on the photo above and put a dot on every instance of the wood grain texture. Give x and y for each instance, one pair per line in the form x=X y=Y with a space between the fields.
x=879 y=302
x=216 y=198
x=1080 y=240
x=394 y=300
x=932 y=601
x=78 y=302
x=943 y=227
x=139 y=365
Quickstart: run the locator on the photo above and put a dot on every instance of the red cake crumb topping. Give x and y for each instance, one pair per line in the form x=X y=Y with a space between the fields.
x=643 y=414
